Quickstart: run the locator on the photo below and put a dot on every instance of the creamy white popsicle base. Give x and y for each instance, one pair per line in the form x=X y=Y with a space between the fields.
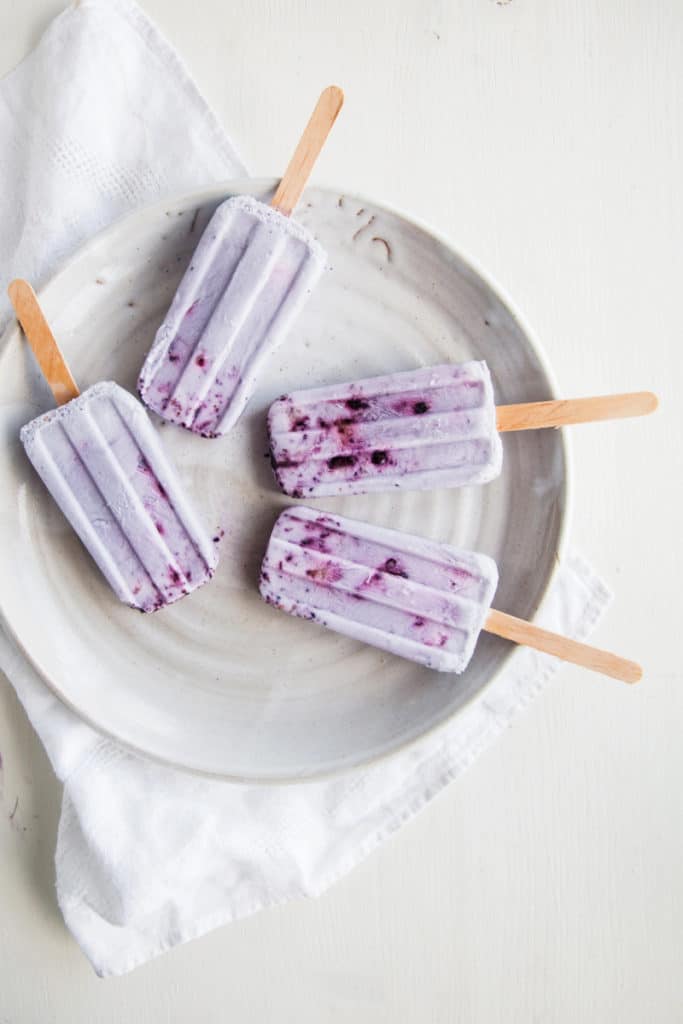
x=250 y=275
x=410 y=596
x=102 y=461
x=421 y=429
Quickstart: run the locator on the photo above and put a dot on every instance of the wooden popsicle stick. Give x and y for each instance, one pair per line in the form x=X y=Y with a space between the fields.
x=522 y=632
x=562 y=412
x=306 y=153
x=42 y=341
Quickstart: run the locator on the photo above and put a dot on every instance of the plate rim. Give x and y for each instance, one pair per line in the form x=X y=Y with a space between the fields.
x=234 y=186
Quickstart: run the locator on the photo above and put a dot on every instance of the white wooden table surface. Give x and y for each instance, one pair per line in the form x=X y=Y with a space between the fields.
x=547 y=883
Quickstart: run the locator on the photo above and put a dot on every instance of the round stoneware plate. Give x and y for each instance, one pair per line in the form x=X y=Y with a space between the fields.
x=220 y=682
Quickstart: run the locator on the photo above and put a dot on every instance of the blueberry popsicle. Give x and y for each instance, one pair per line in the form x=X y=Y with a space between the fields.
x=249 y=278
x=101 y=459
x=410 y=596
x=437 y=426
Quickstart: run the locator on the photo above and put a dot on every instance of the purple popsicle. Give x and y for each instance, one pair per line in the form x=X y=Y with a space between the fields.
x=410 y=596
x=250 y=276
x=421 y=429
x=247 y=282
x=101 y=459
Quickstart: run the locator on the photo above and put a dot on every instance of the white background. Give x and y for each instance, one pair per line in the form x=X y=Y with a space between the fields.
x=546 y=884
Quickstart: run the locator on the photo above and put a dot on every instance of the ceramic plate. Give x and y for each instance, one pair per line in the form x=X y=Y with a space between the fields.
x=220 y=682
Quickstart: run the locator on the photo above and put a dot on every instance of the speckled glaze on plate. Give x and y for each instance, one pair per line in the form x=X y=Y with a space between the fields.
x=220 y=682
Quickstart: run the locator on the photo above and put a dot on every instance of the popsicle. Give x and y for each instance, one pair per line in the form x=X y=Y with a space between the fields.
x=437 y=426
x=101 y=459
x=249 y=278
x=410 y=596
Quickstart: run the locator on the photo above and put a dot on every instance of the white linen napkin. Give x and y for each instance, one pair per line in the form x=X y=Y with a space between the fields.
x=101 y=117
